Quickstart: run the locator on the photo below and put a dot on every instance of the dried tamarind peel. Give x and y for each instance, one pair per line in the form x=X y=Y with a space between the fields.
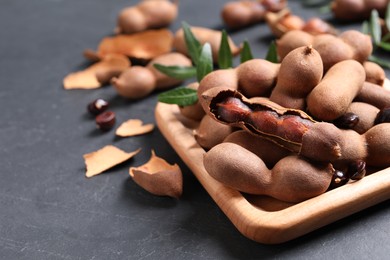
x=133 y=127
x=159 y=177
x=98 y=73
x=105 y=158
x=143 y=45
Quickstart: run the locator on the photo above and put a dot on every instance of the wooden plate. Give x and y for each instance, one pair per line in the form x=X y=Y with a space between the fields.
x=261 y=218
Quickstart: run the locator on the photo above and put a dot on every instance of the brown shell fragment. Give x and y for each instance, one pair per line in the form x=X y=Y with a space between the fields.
x=159 y=177
x=105 y=158
x=98 y=74
x=143 y=45
x=133 y=127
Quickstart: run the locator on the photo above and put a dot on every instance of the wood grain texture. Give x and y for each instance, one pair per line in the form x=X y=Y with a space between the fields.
x=263 y=219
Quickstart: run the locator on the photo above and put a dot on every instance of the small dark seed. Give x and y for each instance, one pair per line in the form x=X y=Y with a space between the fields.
x=357 y=170
x=97 y=106
x=339 y=179
x=383 y=116
x=346 y=121
x=105 y=121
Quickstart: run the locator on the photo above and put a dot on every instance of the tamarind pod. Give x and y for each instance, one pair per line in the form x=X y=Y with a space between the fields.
x=360 y=43
x=325 y=142
x=374 y=94
x=300 y=71
x=169 y=59
x=210 y=132
x=268 y=151
x=378 y=145
x=195 y=111
x=332 y=49
x=252 y=83
x=348 y=10
x=292 y=40
x=366 y=114
x=283 y=126
x=374 y=73
x=333 y=95
x=290 y=128
x=226 y=78
x=356 y=10
x=292 y=179
x=239 y=14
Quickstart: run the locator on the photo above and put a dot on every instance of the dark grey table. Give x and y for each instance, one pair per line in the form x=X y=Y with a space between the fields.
x=49 y=210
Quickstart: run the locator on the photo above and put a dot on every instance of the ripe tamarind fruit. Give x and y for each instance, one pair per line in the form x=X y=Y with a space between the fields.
x=366 y=114
x=138 y=82
x=356 y=10
x=257 y=77
x=300 y=71
x=292 y=179
x=333 y=95
x=374 y=94
x=268 y=151
x=350 y=44
x=195 y=111
x=169 y=59
x=211 y=132
x=374 y=73
x=148 y=14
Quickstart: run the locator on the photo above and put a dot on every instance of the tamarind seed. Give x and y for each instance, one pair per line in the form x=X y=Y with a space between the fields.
x=97 y=106
x=357 y=170
x=339 y=179
x=383 y=116
x=347 y=121
x=105 y=121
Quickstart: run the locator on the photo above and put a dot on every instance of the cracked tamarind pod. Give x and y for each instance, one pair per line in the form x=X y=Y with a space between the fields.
x=290 y=128
x=300 y=71
x=292 y=179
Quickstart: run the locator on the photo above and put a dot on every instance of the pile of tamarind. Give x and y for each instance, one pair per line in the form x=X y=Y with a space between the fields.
x=295 y=129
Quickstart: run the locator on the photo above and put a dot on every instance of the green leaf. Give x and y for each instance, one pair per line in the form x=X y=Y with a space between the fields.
x=386 y=38
x=205 y=62
x=384 y=45
x=366 y=28
x=192 y=43
x=387 y=16
x=177 y=72
x=375 y=27
x=246 y=52
x=272 y=54
x=179 y=96
x=225 y=56
x=379 y=61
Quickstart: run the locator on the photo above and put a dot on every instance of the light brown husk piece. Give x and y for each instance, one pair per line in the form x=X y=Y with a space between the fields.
x=143 y=45
x=159 y=177
x=98 y=73
x=105 y=158
x=133 y=127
